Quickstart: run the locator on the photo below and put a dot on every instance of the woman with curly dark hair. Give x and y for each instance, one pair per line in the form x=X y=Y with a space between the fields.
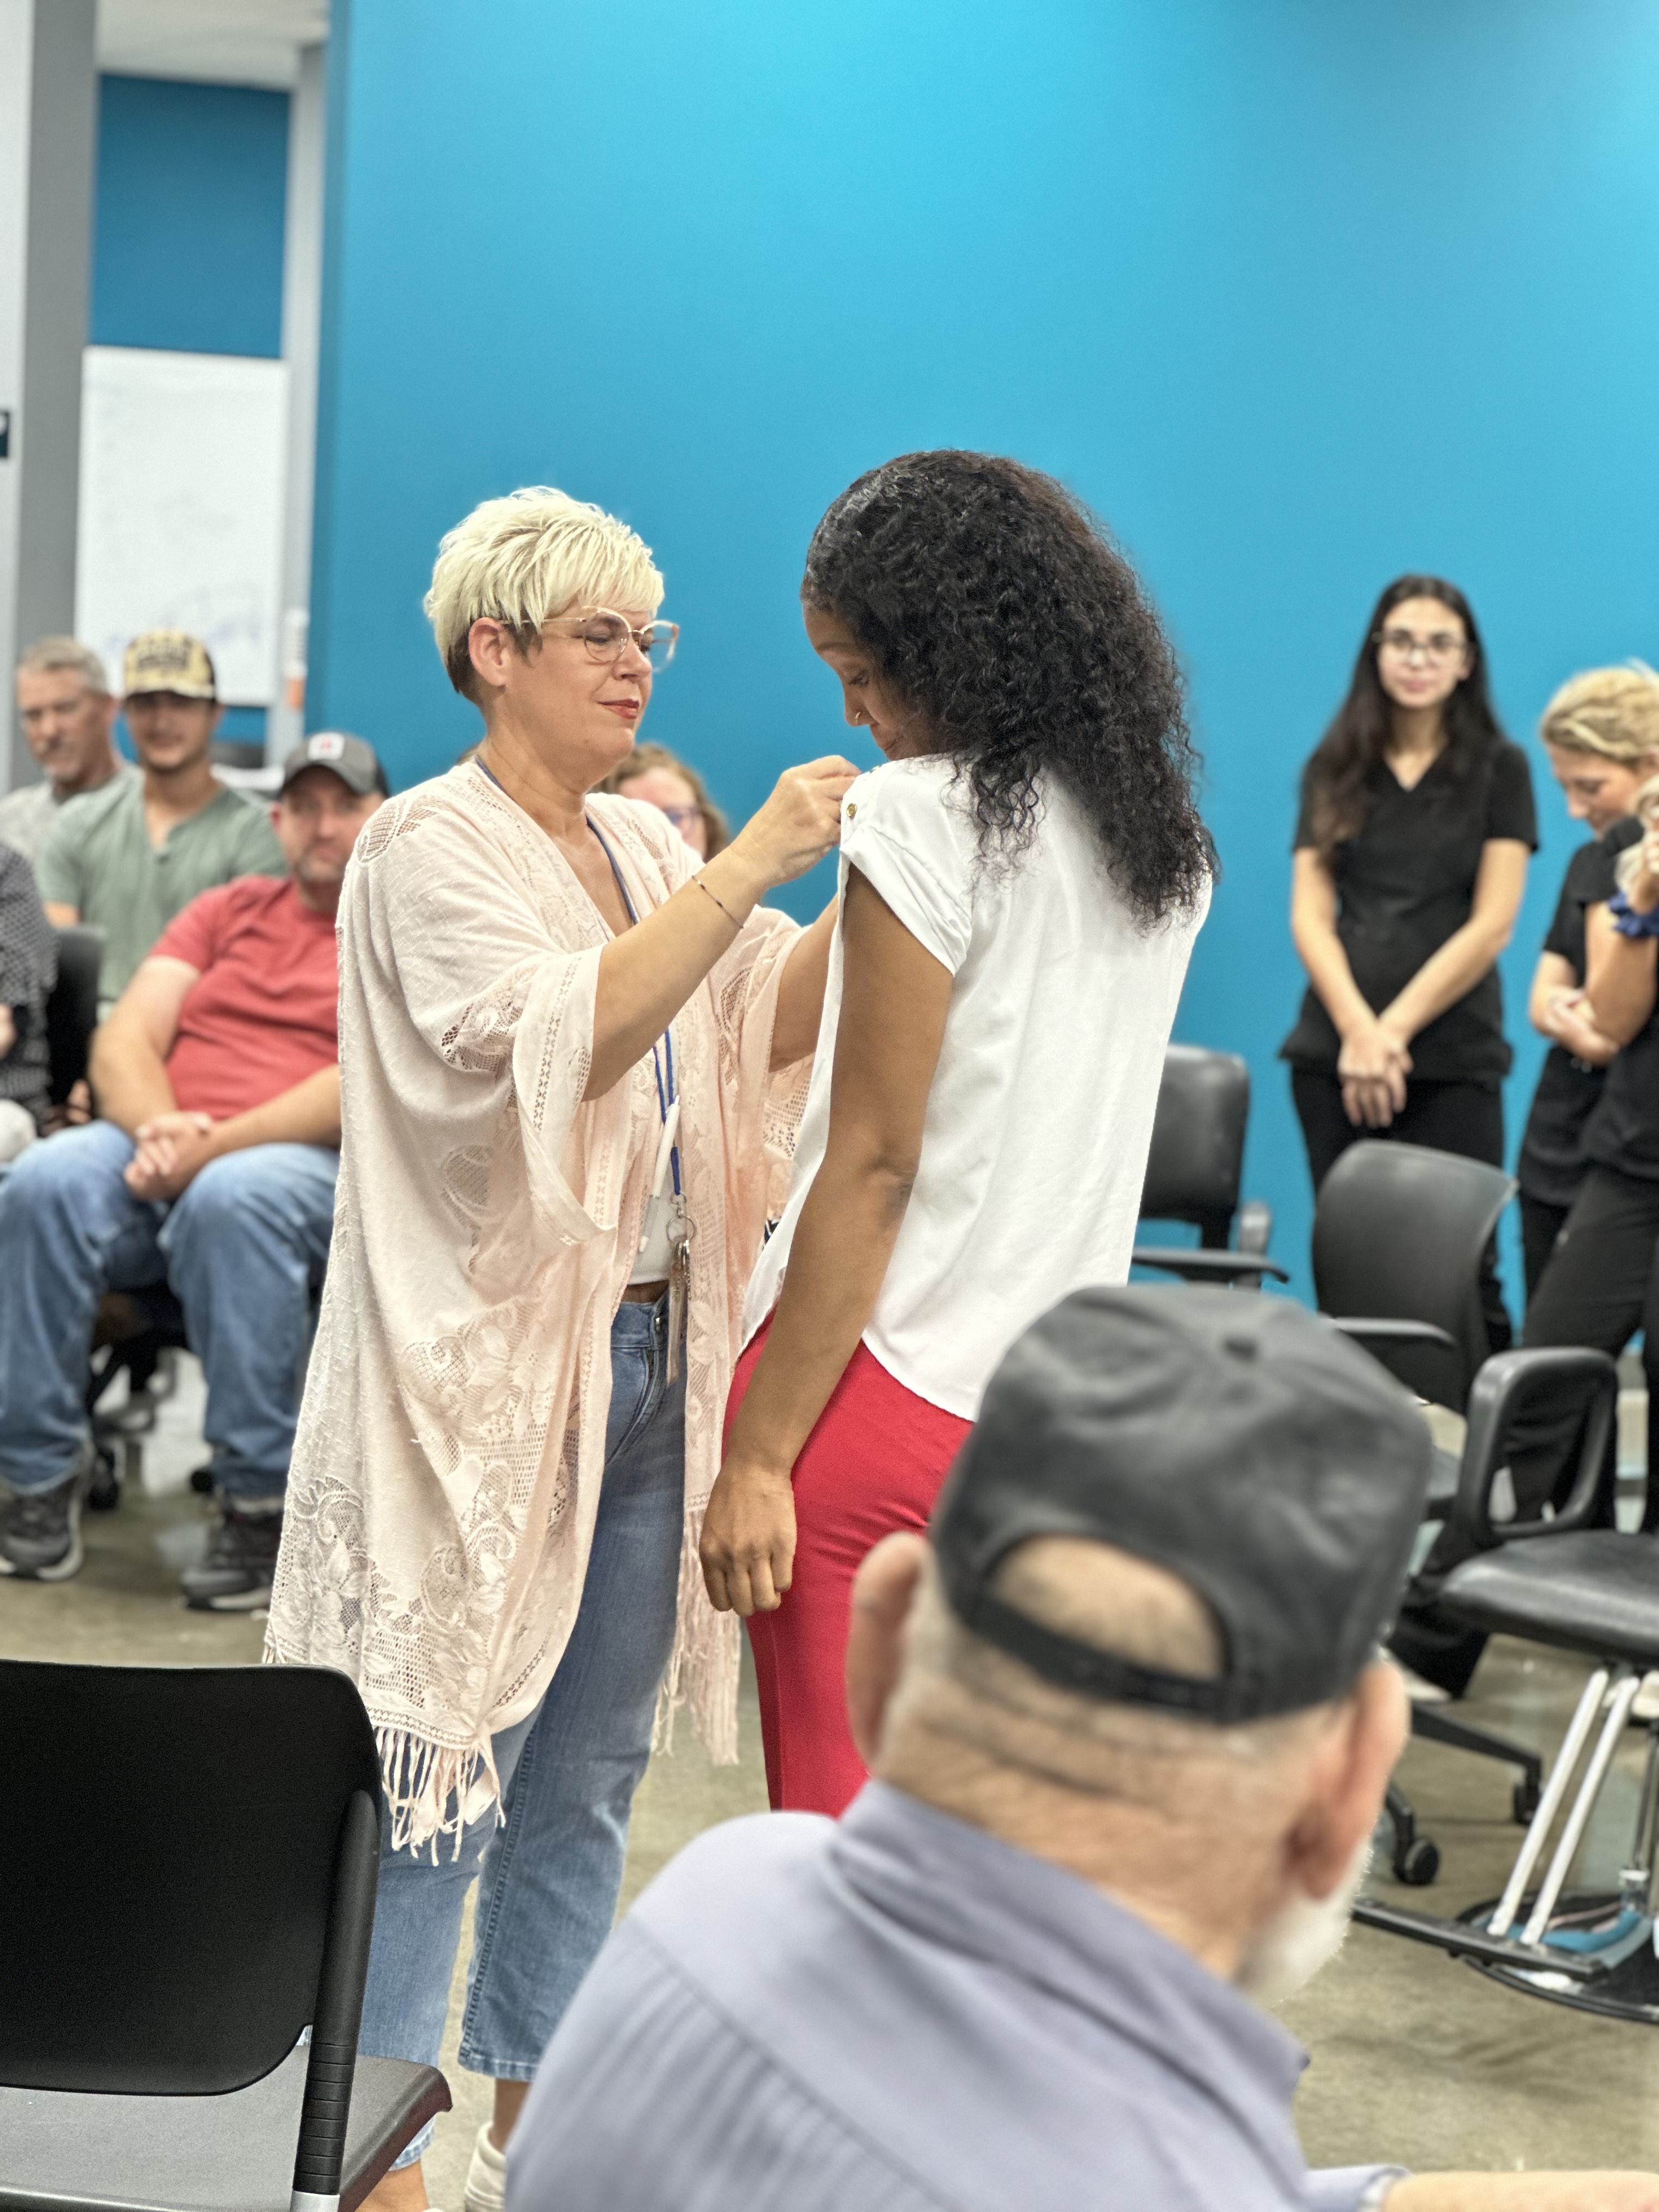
x=1020 y=886
x=1416 y=826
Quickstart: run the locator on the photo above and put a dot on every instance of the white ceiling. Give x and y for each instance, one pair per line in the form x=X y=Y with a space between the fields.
x=221 y=42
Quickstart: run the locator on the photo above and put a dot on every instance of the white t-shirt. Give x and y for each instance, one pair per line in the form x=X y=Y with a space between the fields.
x=1040 y=1117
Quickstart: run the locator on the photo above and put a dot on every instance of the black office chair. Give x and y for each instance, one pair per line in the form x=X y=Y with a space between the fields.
x=72 y=1007
x=1570 y=1582
x=1195 y=1168
x=196 y=1888
x=1399 y=1233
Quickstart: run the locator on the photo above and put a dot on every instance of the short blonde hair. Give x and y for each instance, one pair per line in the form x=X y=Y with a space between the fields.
x=1612 y=712
x=523 y=560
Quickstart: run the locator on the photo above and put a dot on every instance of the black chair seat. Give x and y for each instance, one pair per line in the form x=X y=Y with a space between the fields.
x=226 y=2154
x=1593 y=1591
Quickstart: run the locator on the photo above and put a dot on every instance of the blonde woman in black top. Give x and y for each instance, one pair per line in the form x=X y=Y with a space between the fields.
x=1600 y=732
x=1416 y=824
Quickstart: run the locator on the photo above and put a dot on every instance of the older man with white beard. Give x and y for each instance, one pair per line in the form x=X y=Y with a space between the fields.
x=1130 y=1734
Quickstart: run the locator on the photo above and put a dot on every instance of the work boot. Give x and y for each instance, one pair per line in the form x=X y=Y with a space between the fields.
x=40 y=1529
x=234 y=1577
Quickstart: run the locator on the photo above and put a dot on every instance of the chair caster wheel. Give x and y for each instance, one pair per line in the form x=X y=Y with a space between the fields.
x=104 y=1491
x=1523 y=1802
x=1418 y=1864
x=201 y=1481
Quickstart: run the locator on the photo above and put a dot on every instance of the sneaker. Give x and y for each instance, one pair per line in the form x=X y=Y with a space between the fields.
x=486 y=2178
x=235 y=1575
x=40 y=1529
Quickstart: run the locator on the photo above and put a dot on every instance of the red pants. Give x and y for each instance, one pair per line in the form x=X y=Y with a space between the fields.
x=873 y=1463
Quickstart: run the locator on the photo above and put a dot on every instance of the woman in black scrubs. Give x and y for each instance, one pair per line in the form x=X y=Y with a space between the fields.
x=1600 y=732
x=1416 y=824
x=1601 y=1283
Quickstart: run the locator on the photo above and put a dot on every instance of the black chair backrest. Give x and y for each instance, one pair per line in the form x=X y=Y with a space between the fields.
x=1564 y=1379
x=1399 y=1232
x=173 y=1913
x=1197 y=1157
x=72 y=1008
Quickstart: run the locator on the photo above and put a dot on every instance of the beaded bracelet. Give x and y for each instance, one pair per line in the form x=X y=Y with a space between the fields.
x=718 y=901
x=1629 y=922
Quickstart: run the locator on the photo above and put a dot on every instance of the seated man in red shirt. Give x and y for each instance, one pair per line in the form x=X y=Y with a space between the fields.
x=213 y=1171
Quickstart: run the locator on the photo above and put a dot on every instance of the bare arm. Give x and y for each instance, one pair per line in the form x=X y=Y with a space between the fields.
x=1372 y=1061
x=1559 y=1009
x=174 y=1147
x=1552 y=975
x=801 y=992
x=895 y=997
x=59 y=915
x=1525 y=2193
x=1470 y=952
x=127 y=1065
x=1313 y=931
x=648 y=974
x=1620 y=976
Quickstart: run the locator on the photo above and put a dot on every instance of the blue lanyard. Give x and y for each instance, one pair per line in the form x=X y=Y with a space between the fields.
x=664 y=1087
x=665 y=1084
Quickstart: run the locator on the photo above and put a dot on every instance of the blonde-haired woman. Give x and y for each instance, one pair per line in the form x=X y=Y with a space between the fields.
x=664 y=781
x=1598 y=1278
x=567 y=1054
x=1600 y=732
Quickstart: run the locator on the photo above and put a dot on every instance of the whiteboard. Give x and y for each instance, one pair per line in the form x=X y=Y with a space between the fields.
x=183 y=458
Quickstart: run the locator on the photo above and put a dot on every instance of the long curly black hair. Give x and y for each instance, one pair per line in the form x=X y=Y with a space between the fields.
x=997 y=609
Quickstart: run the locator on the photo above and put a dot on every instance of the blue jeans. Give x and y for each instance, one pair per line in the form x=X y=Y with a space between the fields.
x=243 y=1248
x=549 y=1877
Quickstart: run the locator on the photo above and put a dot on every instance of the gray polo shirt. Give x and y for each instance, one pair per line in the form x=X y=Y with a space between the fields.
x=27 y=816
x=897 y=2013
x=98 y=860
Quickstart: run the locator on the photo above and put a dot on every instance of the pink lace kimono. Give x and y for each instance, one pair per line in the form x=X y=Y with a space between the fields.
x=446 y=1473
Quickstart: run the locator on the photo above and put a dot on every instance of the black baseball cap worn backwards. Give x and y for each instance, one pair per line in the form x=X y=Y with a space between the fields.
x=1240 y=1443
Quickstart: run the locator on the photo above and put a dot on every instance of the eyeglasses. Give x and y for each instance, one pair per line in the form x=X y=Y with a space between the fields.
x=681 y=817
x=1437 y=651
x=606 y=637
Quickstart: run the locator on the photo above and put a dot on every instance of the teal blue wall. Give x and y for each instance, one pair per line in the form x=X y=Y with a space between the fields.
x=187 y=238
x=1297 y=294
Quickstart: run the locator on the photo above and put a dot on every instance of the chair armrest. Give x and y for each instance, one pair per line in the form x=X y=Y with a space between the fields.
x=1256 y=1224
x=1507 y=1382
x=1197 y=1265
x=1367 y=1331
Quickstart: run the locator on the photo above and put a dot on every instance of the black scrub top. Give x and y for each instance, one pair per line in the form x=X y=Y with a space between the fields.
x=1404 y=885
x=1553 y=1157
x=1623 y=1130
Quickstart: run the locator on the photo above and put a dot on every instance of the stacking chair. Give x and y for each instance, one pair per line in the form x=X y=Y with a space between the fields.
x=1400 y=1232
x=1195 y=1168
x=1580 y=1587
x=190 y=1885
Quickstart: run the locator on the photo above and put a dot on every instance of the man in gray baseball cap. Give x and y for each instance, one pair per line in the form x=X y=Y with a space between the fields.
x=1129 y=1732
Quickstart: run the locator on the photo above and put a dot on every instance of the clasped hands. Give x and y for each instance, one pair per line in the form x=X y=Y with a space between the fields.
x=747 y=1550
x=1571 y=1023
x=172 y=1150
x=1372 y=1068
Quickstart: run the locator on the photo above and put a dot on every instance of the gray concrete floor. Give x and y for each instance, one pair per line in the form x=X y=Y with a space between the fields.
x=1414 y=2058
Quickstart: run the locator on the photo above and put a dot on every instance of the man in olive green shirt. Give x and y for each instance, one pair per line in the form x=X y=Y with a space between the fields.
x=128 y=858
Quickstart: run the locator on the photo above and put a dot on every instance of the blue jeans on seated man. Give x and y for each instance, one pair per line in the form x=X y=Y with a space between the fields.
x=550 y=1875
x=243 y=1248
